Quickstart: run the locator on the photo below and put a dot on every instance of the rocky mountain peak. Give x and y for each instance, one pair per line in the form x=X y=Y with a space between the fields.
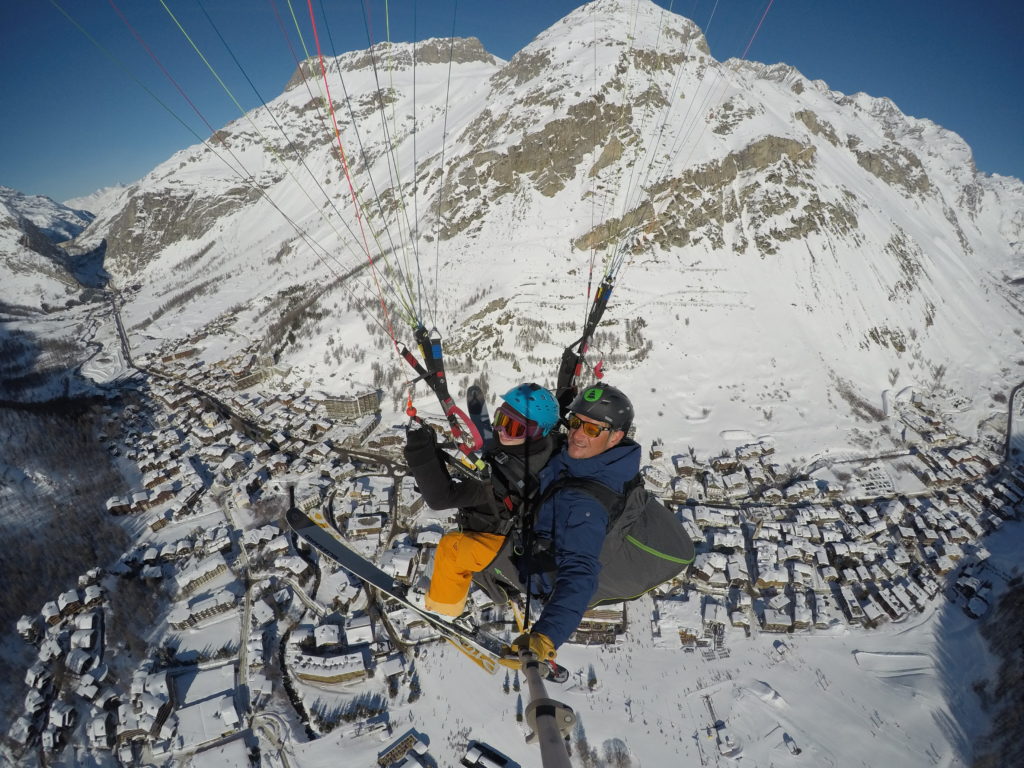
x=398 y=57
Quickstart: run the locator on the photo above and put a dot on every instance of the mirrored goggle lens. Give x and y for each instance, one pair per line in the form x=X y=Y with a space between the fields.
x=513 y=425
x=588 y=428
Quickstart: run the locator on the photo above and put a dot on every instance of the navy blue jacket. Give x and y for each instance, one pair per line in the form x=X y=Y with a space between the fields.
x=576 y=524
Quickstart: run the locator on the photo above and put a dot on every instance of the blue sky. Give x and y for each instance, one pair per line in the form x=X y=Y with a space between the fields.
x=75 y=122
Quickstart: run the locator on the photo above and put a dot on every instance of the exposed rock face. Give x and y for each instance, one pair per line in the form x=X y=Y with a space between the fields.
x=545 y=160
x=702 y=202
x=392 y=56
x=896 y=166
x=152 y=221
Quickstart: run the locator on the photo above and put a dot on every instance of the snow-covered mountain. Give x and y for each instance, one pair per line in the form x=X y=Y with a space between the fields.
x=34 y=269
x=793 y=251
x=98 y=200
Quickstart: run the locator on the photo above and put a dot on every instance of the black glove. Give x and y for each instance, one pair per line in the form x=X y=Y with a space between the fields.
x=420 y=438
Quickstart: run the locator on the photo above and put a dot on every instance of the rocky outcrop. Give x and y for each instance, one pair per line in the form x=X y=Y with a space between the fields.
x=151 y=221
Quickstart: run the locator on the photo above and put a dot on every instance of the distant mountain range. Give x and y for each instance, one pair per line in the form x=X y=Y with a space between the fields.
x=793 y=251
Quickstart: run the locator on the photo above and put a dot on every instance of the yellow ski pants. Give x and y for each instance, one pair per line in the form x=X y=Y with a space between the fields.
x=459 y=555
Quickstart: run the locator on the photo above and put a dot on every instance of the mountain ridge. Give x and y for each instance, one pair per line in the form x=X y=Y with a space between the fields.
x=759 y=206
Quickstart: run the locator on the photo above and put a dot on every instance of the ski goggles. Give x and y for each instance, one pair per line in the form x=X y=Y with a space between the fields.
x=589 y=428
x=511 y=423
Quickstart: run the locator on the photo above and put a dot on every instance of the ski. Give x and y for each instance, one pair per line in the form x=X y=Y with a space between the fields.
x=476 y=406
x=483 y=649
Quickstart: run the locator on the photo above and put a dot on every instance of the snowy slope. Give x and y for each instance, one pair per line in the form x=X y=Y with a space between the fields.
x=97 y=201
x=793 y=251
x=33 y=268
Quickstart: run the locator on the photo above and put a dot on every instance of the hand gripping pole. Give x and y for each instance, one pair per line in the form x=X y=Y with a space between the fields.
x=551 y=721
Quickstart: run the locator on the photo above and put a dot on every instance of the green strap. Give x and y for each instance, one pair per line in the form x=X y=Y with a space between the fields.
x=651 y=551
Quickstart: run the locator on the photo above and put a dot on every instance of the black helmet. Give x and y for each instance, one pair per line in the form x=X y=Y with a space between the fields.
x=601 y=402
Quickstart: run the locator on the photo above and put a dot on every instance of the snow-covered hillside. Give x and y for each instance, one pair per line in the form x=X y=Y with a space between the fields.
x=793 y=251
x=97 y=201
x=34 y=270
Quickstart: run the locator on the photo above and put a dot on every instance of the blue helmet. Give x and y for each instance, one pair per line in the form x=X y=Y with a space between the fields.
x=535 y=403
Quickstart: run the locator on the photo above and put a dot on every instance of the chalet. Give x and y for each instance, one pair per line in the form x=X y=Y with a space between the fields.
x=69 y=602
x=119 y=505
x=826 y=612
x=727 y=541
x=62 y=714
x=293 y=564
x=802 y=617
x=735 y=484
x=327 y=636
x=890 y=604
x=776 y=621
x=725 y=463
x=772 y=577
x=685 y=465
x=801 y=489
x=873 y=613
x=713 y=490
x=358 y=630
x=190 y=579
x=329 y=669
x=757 y=475
x=736 y=571
x=707 y=564
x=365 y=525
x=99 y=732
x=852 y=606
x=682 y=617
x=139 y=501
x=183 y=617
x=739 y=615
x=38 y=675
x=78 y=661
x=601 y=624
x=233 y=467
x=35 y=701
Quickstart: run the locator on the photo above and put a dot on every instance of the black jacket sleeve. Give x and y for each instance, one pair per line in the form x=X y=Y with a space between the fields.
x=439 y=489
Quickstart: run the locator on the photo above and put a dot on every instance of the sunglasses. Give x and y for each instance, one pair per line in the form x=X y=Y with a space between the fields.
x=590 y=429
x=513 y=425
